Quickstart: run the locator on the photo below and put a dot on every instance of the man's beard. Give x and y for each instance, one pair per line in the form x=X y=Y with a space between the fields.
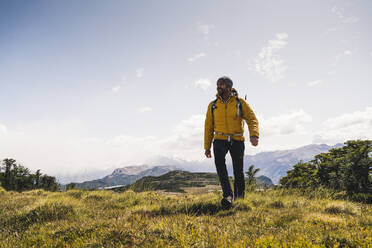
x=222 y=92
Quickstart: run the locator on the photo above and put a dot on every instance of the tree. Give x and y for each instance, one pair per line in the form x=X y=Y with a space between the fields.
x=37 y=179
x=251 y=180
x=8 y=182
x=19 y=178
x=71 y=186
x=348 y=168
x=303 y=175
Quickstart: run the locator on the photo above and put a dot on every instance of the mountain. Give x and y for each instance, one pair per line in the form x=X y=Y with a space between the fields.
x=125 y=176
x=273 y=164
x=276 y=164
x=173 y=181
x=264 y=181
x=131 y=170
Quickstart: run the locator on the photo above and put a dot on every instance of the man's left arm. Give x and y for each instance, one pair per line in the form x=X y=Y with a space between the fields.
x=252 y=122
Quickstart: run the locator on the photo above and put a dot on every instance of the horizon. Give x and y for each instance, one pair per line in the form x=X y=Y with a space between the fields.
x=87 y=86
x=196 y=166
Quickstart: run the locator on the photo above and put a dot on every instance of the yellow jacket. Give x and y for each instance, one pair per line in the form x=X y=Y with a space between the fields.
x=226 y=121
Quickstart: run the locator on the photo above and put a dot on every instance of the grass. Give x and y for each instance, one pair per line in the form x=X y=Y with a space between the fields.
x=275 y=218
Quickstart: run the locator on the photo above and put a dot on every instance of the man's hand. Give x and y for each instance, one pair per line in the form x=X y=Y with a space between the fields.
x=208 y=153
x=254 y=140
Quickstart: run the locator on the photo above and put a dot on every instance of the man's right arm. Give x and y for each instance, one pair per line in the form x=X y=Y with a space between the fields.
x=208 y=129
x=251 y=119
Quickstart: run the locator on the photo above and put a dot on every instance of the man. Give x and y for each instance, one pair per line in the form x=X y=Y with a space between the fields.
x=224 y=125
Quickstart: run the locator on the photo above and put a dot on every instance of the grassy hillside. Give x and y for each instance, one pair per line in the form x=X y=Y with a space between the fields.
x=174 y=181
x=181 y=181
x=273 y=218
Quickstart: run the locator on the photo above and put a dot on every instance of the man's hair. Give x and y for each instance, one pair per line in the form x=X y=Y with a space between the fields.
x=226 y=80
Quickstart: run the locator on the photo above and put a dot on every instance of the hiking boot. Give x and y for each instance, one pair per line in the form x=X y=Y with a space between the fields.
x=227 y=202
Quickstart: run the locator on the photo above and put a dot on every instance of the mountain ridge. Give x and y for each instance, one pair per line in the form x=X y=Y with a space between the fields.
x=118 y=177
x=272 y=164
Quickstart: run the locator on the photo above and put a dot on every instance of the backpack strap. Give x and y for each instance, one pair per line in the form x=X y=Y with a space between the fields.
x=239 y=108
x=213 y=108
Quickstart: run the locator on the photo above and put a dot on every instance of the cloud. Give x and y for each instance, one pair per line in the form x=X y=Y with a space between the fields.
x=339 y=56
x=205 y=29
x=3 y=129
x=314 y=83
x=356 y=125
x=186 y=139
x=347 y=52
x=345 y=18
x=285 y=124
x=202 y=83
x=197 y=56
x=145 y=109
x=61 y=148
x=140 y=72
x=115 y=88
x=189 y=133
x=126 y=140
x=268 y=62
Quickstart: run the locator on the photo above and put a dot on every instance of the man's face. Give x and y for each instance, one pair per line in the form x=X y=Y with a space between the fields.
x=222 y=88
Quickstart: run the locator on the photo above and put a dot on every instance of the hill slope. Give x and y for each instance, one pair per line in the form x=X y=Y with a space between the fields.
x=272 y=218
x=173 y=181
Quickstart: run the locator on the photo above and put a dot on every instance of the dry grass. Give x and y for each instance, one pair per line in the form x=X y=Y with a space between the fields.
x=106 y=219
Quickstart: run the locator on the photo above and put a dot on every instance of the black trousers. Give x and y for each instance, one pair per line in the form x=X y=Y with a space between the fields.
x=236 y=148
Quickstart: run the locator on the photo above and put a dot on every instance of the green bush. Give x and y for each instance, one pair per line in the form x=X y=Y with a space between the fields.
x=345 y=170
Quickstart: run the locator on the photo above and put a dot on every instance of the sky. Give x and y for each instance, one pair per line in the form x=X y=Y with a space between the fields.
x=88 y=85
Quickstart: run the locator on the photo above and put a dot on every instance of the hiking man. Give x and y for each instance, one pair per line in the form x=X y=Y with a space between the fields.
x=224 y=125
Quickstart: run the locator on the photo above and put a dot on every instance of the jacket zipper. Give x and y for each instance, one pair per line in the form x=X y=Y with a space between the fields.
x=227 y=126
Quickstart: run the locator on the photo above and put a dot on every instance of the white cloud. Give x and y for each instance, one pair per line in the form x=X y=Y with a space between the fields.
x=126 y=140
x=347 y=52
x=284 y=131
x=115 y=88
x=3 y=129
x=356 y=125
x=339 y=56
x=286 y=124
x=140 y=72
x=145 y=109
x=197 y=56
x=314 y=83
x=62 y=149
x=330 y=30
x=69 y=151
x=205 y=29
x=268 y=62
x=202 y=83
x=345 y=18
x=188 y=134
